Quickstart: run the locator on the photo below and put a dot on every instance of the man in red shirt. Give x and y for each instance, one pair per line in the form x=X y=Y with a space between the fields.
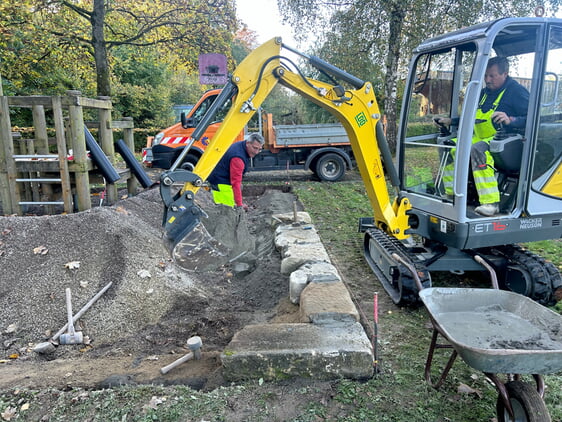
x=226 y=178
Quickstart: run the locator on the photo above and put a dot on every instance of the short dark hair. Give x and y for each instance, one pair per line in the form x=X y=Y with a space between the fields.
x=500 y=62
x=255 y=137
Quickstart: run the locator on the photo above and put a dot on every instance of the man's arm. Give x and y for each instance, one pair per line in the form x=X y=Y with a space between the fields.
x=513 y=111
x=236 y=172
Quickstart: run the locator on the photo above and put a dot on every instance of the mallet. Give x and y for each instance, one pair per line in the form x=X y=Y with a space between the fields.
x=72 y=336
x=194 y=343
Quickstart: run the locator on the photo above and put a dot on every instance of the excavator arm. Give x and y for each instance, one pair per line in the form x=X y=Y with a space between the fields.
x=251 y=83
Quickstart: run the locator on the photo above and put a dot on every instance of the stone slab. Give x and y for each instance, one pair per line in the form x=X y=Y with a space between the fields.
x=299 y=254
x=302 y=218
x=279 y=351
x=311 y=271
x=287 y=235
x=326 y=303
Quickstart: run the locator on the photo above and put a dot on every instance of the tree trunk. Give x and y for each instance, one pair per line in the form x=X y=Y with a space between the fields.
x=396 y=24
x=100 y=49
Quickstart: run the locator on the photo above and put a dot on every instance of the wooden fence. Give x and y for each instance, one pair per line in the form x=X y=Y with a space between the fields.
x=41 y=171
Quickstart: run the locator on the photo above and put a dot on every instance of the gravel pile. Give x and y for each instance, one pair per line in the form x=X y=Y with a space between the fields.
x=41 y=256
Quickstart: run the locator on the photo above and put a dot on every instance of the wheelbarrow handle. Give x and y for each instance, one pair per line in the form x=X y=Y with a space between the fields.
x=410 y=268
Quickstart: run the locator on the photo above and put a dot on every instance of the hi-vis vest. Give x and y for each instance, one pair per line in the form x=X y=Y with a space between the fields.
x=485 y=129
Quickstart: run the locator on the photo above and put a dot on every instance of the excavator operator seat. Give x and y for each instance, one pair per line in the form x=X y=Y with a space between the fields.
x=507 y=152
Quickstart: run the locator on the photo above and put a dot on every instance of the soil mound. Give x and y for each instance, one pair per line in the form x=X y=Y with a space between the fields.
x=153 y=305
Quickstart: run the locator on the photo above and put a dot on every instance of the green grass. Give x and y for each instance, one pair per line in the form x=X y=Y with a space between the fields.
x=402 y=394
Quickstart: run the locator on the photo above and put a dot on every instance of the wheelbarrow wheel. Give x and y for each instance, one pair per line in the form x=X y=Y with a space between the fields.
x=527 y=404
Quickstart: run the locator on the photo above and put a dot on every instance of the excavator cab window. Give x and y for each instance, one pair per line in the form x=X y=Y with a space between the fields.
x=437 y=91
x=447 y=82
x=547 y=165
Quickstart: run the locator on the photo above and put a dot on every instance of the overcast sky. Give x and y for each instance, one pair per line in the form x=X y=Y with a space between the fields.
x=262 y=16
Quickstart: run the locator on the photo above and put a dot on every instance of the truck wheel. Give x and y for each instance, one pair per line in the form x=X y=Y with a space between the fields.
x=330 y=167
x=189 y=162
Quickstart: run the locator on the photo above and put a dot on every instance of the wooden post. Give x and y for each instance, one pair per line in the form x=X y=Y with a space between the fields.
x=61 y=149
x=78 y=140
x=23 y=188
x=8 y=191
x=129 y=139
x=42 y=147
x=106 y=143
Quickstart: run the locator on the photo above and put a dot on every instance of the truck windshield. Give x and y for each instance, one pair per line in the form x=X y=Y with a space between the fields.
x=204 y=107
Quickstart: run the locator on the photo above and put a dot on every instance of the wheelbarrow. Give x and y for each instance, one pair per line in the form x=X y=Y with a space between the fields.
x=497 y=332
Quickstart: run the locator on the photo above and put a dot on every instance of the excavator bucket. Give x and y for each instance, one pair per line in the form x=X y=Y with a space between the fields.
x=198 y=250
x=190 y=244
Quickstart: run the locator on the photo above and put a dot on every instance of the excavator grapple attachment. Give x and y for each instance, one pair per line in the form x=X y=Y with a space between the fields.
x=190 y=244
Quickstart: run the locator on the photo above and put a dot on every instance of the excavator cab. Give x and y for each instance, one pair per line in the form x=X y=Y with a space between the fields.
x=447 y=75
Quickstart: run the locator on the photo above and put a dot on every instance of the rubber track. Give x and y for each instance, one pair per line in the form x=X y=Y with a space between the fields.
x=393 y=245
x=543 y=273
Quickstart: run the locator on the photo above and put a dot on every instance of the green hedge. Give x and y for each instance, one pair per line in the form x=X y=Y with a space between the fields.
x=422 y=128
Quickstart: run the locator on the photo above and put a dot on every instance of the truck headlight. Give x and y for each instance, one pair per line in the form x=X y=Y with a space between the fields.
x=158 y=138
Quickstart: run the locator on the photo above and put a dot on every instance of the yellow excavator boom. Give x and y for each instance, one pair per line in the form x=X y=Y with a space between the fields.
x=251 y=83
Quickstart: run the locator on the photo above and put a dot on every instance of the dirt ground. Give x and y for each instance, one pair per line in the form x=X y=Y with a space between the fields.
x=142 y=322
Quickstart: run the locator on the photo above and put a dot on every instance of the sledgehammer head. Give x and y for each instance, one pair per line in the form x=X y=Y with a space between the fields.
x=194 y=343
x=74 y=337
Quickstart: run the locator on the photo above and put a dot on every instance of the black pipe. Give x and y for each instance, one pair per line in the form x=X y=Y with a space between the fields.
x=100 y=159
x=134 y=165
x=335 y=71
x=387 y=156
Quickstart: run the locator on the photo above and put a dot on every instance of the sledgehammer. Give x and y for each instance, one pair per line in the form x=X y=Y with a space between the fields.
x=72 y=336
x=194 y=344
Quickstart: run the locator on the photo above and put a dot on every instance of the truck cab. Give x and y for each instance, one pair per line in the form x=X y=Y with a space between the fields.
x=166 y=146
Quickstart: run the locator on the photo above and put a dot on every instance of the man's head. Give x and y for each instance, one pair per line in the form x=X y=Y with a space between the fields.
x=254 y=144
x=496 y=73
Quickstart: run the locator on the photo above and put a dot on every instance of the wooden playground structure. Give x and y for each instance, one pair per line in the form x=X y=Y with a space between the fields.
x=58 y=172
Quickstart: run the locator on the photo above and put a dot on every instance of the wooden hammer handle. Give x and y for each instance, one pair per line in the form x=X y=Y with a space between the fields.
x=81 y=311
x=177 y=362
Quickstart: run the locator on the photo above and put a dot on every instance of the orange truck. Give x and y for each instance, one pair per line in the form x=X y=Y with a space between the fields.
x=322 y=148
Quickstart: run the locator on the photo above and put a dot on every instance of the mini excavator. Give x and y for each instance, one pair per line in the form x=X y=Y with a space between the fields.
x=417 y=228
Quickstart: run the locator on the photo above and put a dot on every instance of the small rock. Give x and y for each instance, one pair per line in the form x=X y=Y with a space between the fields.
x=144 y=274
x=241 y=268
x=44 y=348
x=10 y=342
x=11 y=329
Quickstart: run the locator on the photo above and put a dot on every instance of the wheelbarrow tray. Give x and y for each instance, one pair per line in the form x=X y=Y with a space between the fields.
x=497 y=331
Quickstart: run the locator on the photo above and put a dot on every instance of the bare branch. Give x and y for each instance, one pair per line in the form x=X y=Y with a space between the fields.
x=79 y=10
